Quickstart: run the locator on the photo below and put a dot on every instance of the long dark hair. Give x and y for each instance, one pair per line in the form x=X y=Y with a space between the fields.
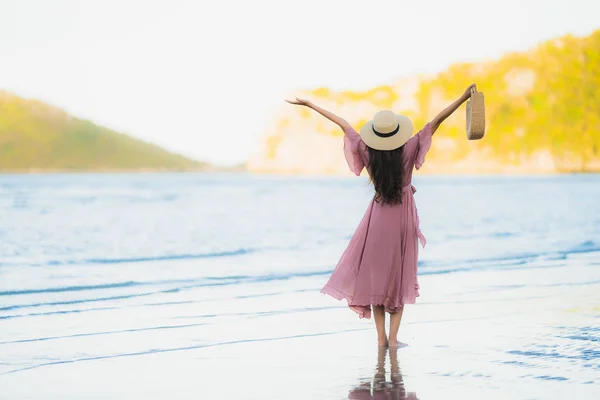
x=386 y=169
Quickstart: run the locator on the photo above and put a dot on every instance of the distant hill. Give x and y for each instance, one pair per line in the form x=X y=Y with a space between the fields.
x=542 y=115
x=35 y=136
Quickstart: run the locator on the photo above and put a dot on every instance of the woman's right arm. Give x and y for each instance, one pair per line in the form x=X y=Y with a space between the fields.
x=352 y=141
x=339 y=121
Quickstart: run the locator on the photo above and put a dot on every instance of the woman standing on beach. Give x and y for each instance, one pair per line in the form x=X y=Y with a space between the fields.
x=378 y=269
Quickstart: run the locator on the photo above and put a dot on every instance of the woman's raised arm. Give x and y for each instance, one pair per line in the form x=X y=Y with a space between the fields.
x=352 y=140
x=446 y=112
x=339 y=121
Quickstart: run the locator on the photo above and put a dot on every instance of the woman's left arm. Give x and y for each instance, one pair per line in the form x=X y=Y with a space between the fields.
x=446 y=112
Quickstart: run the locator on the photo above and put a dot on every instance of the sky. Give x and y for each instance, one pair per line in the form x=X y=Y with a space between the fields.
x=203 y=78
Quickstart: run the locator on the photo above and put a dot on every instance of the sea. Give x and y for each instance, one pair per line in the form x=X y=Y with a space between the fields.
x=207 y=286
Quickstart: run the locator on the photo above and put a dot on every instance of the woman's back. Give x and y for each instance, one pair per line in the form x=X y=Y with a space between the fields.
x=413 y=153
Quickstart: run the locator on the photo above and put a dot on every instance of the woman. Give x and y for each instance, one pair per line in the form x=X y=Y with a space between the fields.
x=378 y=269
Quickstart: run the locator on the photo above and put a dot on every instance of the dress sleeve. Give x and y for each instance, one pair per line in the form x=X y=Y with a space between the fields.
x=352 y=142
x=423 y=145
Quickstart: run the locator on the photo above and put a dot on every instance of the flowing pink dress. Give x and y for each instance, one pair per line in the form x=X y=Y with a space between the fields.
x=379 y=266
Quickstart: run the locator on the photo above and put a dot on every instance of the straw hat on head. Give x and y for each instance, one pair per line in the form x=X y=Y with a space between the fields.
x=386 y=131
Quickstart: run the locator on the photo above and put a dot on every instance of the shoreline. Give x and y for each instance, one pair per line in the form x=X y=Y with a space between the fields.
x=36 y=171
x=306 y=174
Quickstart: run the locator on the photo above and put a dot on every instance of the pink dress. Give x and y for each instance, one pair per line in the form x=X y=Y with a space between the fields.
x=379 y=266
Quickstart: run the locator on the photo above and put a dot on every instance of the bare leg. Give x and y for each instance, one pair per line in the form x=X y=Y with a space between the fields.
x=395 y=319
x=379 y=313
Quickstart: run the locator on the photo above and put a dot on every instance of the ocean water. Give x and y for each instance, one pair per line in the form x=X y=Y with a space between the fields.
x=207 y=286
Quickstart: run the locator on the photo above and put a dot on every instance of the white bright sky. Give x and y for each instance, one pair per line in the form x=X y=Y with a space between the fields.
x=203 y=77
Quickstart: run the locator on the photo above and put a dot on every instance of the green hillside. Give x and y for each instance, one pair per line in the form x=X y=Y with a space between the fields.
x=36 y=136
x=543 y=99
x=542 y=115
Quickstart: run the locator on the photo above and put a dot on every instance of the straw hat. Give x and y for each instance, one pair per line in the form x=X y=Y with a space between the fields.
x=475 y=116
x=386 y=131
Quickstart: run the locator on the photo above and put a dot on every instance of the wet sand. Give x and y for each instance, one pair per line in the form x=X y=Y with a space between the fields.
x=472 y=335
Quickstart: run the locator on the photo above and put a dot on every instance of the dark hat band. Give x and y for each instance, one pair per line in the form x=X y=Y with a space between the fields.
x=385 y=135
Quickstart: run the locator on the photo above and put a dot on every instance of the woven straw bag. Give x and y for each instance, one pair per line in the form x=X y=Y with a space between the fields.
x=475 y=116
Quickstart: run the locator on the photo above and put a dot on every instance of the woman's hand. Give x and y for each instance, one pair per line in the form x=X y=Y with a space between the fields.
x=467 y=94
x=300 y=102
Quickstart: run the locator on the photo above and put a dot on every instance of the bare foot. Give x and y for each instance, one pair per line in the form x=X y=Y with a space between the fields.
x=397 y=344
x=382 y=343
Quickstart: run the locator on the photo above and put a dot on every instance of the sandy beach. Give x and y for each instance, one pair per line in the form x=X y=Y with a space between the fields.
x=484 y=338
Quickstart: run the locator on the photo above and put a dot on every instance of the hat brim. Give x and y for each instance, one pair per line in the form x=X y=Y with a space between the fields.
x=387 y=143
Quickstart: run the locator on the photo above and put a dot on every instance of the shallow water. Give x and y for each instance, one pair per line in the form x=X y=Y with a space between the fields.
x=207 y=286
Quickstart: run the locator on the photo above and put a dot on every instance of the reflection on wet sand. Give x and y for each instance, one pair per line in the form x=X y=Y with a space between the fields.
x=379 y=387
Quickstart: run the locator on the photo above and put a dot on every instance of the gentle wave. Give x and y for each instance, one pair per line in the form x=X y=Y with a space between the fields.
x=170 y=257
x=61 y=312
x=175 y=349
x=77 y=335
x=520 y=259
x=427 y=268
x=205 y=283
